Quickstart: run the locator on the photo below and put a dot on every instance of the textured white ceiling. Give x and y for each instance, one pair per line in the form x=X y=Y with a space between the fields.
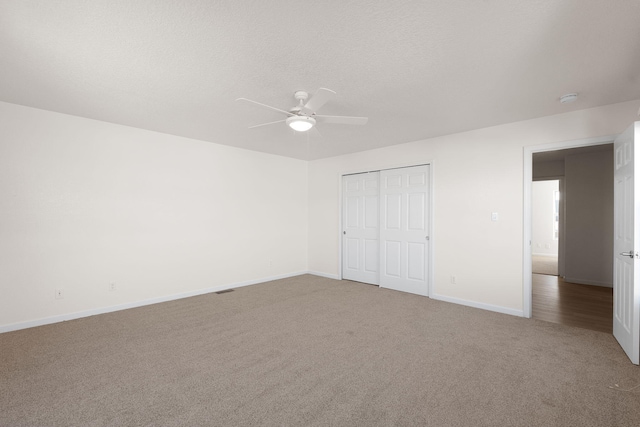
x=417 y=69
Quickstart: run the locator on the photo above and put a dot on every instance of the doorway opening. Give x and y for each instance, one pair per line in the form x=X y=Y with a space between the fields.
x=545 y=226
x=568 y=233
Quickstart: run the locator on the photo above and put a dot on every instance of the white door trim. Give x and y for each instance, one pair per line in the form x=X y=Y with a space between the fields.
x=432 y=249
x=526 y=213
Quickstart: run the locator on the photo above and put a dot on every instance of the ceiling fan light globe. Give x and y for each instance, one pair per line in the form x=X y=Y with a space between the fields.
x=301 y=123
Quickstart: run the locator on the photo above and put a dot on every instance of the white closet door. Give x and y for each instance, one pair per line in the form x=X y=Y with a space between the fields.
x=360 y=257
x=404 y=233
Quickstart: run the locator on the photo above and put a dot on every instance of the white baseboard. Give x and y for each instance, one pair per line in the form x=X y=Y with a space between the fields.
x=110 y=309
x=548 y=255
x=588 y=282
x=327 y=275
x=102 y=310
x=483 y=306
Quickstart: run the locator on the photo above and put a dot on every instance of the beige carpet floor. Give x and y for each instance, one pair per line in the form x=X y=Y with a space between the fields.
x=541 y=264
x=313 y=351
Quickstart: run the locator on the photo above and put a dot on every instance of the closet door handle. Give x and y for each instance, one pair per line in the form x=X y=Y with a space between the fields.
x=629 y=254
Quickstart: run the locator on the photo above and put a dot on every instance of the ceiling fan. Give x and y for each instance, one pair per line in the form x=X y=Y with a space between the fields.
x=303 y=116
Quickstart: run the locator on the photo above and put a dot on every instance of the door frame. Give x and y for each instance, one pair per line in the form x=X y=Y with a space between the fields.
x=562 y=227
x=526 y=213
x=432 y=240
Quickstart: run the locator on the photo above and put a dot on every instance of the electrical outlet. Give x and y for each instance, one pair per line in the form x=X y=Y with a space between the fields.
x=112 y=286
x=453 y=280
x=59 y=293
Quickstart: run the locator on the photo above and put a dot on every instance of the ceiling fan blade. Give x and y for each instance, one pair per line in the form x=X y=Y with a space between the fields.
x=265 y=105
x=318 y=99
x=265 y=124
x=315 y=132
x=343 y=120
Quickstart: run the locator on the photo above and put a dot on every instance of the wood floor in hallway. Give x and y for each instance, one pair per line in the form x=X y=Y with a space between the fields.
x=584 y=306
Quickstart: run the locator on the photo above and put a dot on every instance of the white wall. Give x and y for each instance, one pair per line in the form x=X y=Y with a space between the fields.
x=589 y=218
x=475 y=173
x=542 y=217
x=84 y=203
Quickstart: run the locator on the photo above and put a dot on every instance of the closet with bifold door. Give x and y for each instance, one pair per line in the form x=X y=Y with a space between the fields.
x=385 y=228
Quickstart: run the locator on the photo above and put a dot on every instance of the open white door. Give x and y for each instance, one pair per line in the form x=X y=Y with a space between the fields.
x=404 y=229
x=626 y=280
x=360 y=227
